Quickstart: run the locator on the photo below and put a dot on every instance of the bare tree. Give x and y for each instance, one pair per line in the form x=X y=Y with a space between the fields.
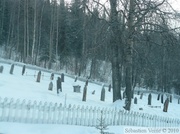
x=51 y=40
x=34 y=31
x=2 y=20
x=116 y=76
x=129 y=54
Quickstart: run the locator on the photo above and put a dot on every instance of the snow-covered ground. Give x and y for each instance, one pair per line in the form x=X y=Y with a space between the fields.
x=25 y=87
x=18 y=128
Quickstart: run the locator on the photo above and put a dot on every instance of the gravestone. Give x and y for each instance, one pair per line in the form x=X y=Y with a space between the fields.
x=23 y=69
x=158 y=96
x=162 y=98
x=86 y=84
x=62 y=77
x=124 y=94
x=12 y=69
x=135 y=100
x=84 y=93
x=141 y=96
x=50 y=86
x=109 y=89
x=1 y=69
x=166 y=103
x=75 y=79
x=77 y=88
x=38 y=77
x=52 y=76
x=138 y=93
x=59 y=86
x=103 y=94
x=170 y=99
x=149 y=99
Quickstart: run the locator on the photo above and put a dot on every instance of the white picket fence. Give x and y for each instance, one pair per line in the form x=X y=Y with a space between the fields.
x=53 y=113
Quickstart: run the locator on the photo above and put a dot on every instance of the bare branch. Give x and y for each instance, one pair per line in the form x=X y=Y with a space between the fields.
x=102 y=6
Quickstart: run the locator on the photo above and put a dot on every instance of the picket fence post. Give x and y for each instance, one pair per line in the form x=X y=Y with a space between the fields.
x=34 y=113
x=40 y=113
x=106 y=113
x=81 y=110
x=158 y=121
x=151 y=121
x=135 y=121
x=86 y=122
x=21 y=112
x=131 y=117
x=164 y=122
x=147 y=120
x=63 y=114
x=54 y=114
x=138 y=119
x=94 y=116
x=128 y=118
x=155 y=121
x=59 y=113
x=69 y=114
x=8 y=109
x=3 y=117
x=161 y=121
x=98 y=116
x=16 y=110
x=90 y=122
x=77 y=116
x=73 y=118
x=44 y=110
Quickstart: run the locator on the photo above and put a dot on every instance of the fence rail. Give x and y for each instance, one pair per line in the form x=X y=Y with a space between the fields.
x=52 y=113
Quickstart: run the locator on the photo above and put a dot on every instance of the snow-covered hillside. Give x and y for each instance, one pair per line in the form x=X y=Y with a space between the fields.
x=25 y=87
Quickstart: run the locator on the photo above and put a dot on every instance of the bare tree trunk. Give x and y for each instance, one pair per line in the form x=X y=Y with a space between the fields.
x=116 y=81
x=2 y=20
x=34 y=31
x=51 y=38
x=82 y=63
x=93 y=68
x=129 y=54
x=39 y=38
x=25 y=33
x=27 y=29
x=7 y=46
x=18 y=27
x=10 y=40
x=76 y=66
x=57 y=33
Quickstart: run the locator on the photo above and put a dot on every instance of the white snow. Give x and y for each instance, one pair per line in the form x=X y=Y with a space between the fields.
x=18 y=128
x=25 y=87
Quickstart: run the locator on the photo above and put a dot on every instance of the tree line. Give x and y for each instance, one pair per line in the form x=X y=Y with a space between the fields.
x=137 y=37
